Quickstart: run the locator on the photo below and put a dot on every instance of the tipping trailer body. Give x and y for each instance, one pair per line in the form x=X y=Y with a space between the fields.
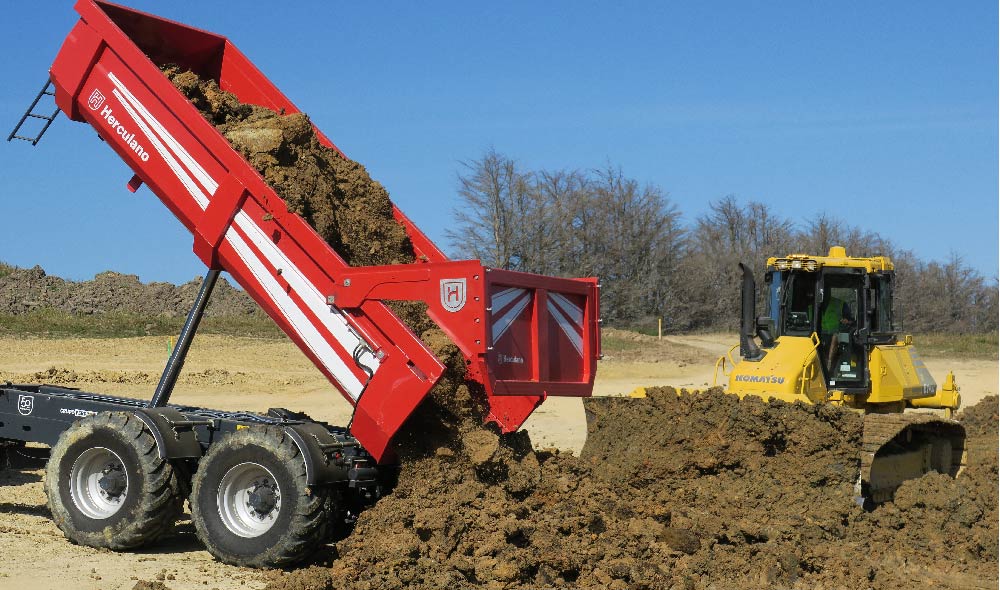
x=524 y=336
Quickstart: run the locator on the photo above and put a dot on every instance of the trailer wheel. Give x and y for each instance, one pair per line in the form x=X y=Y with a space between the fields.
x=250 y=502
x=107 y=486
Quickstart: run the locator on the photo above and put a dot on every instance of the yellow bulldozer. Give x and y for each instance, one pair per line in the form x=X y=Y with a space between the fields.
x=827 y=336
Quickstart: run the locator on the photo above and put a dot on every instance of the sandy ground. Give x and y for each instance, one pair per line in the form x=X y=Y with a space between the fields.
x=251 y=374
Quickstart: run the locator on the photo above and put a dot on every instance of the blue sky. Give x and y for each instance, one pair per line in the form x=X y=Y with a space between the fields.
x=882 y=113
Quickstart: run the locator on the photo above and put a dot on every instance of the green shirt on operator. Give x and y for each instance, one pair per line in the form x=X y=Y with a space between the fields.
x=836 y=311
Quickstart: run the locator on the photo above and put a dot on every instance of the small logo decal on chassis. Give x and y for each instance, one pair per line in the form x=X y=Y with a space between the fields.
x=453 y=294
x=77 y=412
x=25 y=404
x=96 y=100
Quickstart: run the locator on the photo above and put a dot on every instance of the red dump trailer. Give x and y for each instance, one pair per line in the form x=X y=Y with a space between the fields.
x=524 y=337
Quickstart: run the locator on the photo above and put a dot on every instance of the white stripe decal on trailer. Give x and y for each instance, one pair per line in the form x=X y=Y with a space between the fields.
x=189 y=184
x=299 y=322
x=206 y=181
x=567 y=327
x=331 y=317
x=573 y=312
x=501 y=326
x=500 y=299
x=327 y=315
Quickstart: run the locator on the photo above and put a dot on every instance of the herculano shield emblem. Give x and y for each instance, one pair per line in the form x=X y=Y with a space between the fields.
x=453 y=294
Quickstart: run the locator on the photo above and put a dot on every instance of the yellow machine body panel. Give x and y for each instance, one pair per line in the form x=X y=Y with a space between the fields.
x=790 y=371
x=947 y=397
x=837 y=258
x=898 y=374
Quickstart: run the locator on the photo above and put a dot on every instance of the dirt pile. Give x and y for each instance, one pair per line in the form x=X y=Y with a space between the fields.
x=489 y=512
x=767 y=488
x=673 y=491
x=936 y=517
x=748 y=487
x=26 y=289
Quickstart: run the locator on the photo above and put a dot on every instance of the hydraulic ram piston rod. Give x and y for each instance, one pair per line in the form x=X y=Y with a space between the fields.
x=176 y=362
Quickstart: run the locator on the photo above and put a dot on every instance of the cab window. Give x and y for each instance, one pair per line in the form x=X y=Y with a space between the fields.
x=800 y=301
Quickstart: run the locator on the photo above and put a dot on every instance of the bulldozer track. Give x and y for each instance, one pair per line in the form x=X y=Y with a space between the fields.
x=941 y=442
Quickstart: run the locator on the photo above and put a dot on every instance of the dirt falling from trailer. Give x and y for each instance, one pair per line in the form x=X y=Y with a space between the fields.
x=335 y=195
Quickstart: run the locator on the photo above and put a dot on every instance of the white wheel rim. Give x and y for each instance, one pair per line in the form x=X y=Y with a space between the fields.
x=98 y=483
x=249 y=500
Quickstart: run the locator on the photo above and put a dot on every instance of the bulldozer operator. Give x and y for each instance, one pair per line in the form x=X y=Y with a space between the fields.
x=836 y=318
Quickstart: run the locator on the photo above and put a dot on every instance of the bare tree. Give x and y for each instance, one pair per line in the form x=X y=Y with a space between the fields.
x=730 y=233
x=492 y=195
x=555 y=229
x=634 y=243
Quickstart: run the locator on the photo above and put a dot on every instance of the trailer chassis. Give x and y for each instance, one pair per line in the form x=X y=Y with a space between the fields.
x=41 y=413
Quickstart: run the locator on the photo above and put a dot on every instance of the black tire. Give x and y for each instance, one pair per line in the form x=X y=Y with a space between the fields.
x=149 y=505
x=291 y=523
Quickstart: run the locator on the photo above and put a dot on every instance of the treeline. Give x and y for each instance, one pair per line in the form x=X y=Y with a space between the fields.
x=654 y=263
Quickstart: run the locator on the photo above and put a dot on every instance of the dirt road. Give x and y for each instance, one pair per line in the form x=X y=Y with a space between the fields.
x=251 y=374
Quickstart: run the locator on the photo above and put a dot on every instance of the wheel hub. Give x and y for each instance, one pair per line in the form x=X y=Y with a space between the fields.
x=98 y=483
x=262 y=499
x=249 y=499
x=113 y=482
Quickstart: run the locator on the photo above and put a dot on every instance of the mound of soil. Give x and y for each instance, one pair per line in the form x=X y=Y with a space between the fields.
x=25 y=289
x=980 y=420
x=674 y=491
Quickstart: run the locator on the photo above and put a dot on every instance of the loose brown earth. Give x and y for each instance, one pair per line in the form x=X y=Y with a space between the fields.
x=336 y=196
x=675 y=491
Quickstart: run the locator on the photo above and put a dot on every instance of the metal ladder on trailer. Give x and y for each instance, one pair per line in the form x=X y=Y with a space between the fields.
x=31 y=114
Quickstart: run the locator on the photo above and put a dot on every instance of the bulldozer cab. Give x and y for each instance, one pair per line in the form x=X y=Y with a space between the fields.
x=848 y=306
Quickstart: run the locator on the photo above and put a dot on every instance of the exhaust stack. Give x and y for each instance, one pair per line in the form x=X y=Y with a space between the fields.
x=748 y=314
